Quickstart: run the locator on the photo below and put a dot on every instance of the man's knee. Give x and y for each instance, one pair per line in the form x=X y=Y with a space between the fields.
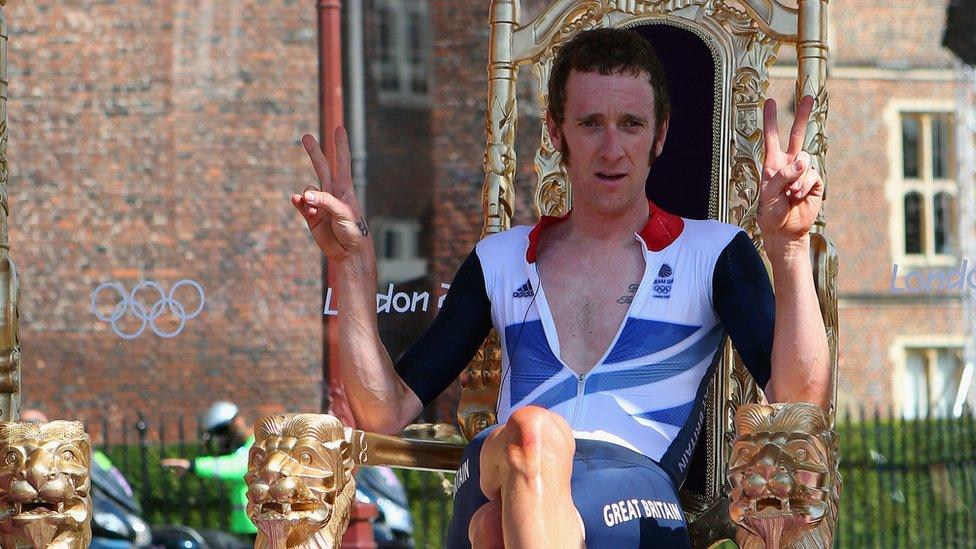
x=533 y=442
x=532 y=428
x=538 y=441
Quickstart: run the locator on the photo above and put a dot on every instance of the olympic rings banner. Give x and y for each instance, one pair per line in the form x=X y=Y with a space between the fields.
x=148 y=316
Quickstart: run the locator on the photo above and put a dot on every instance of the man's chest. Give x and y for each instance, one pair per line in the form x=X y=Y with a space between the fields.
x=589 y=297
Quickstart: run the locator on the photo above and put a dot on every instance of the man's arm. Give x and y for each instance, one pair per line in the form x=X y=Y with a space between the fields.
x=744 y=302
x=789 y=201
x=228 y=467
x=380 y=400
x=801 y=366
x=436 y=359
x=429 y=365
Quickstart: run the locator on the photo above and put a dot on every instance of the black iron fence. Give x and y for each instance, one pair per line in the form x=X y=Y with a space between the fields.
x=137 y=445
x=907 y=482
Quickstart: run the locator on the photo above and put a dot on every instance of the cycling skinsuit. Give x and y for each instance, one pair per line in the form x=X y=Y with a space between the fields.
x=637 y=414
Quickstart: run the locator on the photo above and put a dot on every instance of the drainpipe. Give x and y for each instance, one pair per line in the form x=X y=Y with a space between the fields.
x=330 y=118
x=359 y=534
x=357 y=97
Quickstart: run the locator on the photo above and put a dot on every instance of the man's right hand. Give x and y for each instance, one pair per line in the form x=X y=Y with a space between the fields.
x=332 y=211
x=177 y=465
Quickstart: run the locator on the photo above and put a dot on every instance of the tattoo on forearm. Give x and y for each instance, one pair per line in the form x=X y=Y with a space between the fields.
x=628 y=299
x=363 y=227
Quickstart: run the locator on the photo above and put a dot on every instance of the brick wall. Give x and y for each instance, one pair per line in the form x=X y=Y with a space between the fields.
x=859 y=163
x=159 y=140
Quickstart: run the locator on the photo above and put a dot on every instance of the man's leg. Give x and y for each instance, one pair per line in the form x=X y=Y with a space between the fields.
x=485 y=530
x=526 y=468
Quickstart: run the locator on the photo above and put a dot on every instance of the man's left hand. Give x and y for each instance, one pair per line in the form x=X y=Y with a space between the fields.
x=791 y=191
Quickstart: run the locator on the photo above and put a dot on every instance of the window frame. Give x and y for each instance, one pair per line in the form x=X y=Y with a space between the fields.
x=409 y=258
x=898 y=187
x=401 y=12
x=899 y=354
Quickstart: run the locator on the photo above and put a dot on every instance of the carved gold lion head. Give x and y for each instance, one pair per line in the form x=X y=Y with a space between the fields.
x=300 y=484
x=783 y=470
x=45 y=485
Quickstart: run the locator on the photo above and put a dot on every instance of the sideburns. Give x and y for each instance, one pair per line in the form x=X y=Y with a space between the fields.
x=651 y=158
x=565 y=147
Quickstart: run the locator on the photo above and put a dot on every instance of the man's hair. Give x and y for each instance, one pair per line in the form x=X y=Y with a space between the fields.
x=607 y=51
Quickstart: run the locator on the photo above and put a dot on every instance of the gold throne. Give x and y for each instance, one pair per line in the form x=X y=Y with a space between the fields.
x=717 y=55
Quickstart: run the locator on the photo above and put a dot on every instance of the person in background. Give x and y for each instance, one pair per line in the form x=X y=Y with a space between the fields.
x=234 y=437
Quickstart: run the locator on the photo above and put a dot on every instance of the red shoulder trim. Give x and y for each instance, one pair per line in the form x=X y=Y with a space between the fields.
x=544 y=222
x=662 y=228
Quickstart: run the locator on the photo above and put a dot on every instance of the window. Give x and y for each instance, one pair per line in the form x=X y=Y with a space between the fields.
x=927 y=188
x=402 y=59
x=398 y=250
x=930 y=380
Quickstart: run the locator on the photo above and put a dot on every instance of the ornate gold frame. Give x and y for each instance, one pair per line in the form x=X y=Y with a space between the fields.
x=9 y=284
x=744 y=37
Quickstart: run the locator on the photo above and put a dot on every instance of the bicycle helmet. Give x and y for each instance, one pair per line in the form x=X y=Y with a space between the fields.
x=219 y=416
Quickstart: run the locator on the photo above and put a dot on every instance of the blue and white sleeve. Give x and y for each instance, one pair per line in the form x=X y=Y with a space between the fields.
x=441 y=353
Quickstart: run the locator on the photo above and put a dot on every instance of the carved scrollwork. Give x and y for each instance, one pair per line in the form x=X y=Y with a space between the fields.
x=586 y=15
x=479 y=388
x=500 y=160
x=649 y=7
x=10 y=360
x=748 y=94
x=553 y=195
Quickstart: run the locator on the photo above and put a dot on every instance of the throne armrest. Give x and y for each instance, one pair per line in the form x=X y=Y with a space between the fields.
x=410 y=453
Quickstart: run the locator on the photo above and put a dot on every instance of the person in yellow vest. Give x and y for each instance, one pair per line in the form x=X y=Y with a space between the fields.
x=234 y=437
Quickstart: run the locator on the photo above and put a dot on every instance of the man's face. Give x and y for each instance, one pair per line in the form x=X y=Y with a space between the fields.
x=610 y=130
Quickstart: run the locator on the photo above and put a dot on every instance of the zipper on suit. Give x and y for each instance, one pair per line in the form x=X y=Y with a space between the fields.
x=581 y=381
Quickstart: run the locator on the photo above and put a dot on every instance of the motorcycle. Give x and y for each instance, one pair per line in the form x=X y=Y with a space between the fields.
x=393 y=528
x=117 y=521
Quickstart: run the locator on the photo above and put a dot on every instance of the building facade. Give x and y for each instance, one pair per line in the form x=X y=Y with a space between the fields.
x=159 y=141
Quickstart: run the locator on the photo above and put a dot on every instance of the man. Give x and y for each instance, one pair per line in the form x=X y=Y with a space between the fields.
x=234 y=437
x=611 y=318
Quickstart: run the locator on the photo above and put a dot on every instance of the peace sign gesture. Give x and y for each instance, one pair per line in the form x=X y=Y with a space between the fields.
x=332 y=212
x=791 y=191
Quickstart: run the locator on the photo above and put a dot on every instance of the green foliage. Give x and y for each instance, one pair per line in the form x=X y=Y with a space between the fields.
x=167 y=498
x=430 y=504
x=908 y=482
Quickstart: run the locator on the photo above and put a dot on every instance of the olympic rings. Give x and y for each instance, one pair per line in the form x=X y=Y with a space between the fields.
x=128 y=301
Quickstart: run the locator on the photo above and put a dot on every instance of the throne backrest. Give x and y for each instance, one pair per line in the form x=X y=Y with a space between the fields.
x=716 y=55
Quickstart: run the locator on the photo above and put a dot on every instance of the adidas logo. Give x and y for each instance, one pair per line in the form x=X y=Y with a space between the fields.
x=524 y=291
